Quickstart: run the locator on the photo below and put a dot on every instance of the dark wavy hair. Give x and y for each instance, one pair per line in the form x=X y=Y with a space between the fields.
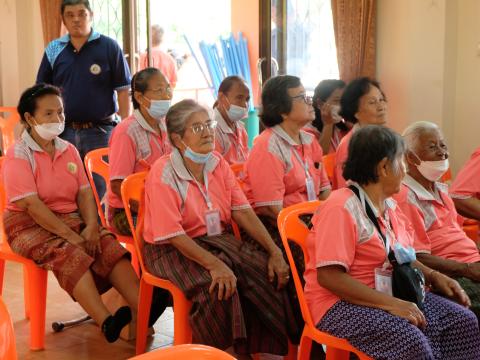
x=28 y=99
x=322 y=92
x=140 y=82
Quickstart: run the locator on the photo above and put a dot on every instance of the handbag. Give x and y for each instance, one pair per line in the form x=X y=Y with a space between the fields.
x=408 y=283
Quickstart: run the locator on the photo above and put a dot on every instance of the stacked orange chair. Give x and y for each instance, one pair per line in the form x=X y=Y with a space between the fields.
x=7 y=336
x=133 y=188
x=186 y=352
x=7 y=126
x=95 y=163
x=329 y=164
x=291 y=228
x=35 y=279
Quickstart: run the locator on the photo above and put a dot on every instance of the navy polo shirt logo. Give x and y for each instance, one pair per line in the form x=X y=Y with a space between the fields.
x=95 y=69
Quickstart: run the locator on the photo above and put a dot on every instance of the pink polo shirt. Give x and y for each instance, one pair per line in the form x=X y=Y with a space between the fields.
x=28 y=170
x=174 y=204
x=434 y=220
x=275 y=175
x=232 y=144
x=342 y=234
x=133 y=147
x=340 y=158
x=337 y=136
x=467 y=182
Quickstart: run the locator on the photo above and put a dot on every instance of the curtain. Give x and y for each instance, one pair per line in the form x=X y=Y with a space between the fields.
x=354 y=25
x=51 y=19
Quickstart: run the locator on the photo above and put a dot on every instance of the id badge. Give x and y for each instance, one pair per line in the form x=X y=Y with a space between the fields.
x=212 y=220
x=383 y=281
x=312 y=196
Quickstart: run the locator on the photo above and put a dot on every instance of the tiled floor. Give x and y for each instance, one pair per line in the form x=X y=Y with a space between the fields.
x=81 y=342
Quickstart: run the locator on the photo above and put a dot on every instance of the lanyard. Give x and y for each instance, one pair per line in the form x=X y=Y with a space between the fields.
x=304 y=164
x=204 y=194
x=335 y=140
x=155 y=140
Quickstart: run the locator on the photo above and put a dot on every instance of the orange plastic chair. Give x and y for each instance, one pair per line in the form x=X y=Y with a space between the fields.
x=35 y=283
x=133 y=188
x=7 y=126
x=293 y=229
x=8 y=349
x=471 y=228
x=95 y=163
x=329 y=164
x=186 y=352
x=447 y=177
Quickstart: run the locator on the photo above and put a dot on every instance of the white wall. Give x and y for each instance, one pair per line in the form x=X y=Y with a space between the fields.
x=21 y=47
x=428 y=62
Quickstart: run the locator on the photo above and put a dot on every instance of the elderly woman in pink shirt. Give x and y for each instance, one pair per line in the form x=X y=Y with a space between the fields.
x=348 y=277
x=51 y=217
x=440 y=241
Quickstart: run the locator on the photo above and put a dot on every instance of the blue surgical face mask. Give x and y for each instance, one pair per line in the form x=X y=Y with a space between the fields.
x=196 y=157
x=237 y=113
x=158 y=108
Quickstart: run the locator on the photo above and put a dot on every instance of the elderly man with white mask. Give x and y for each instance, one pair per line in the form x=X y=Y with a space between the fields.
x=439 y=240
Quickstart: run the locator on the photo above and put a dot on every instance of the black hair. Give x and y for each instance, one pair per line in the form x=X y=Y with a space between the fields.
x=66 y=3
x=350 y=99
x=227 y=84
x=275 y=98
x=322 y=92
x=28 y=99
x=140 y=82
x=367 y=147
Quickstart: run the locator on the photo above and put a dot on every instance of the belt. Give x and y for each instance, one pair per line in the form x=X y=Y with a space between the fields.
x=90 y=124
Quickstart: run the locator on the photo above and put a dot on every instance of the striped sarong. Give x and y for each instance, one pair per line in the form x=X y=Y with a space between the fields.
x=256 y=319
x=67 y=261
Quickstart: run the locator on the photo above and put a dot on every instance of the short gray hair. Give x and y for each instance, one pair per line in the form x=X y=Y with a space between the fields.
x=412 y=133
x=178 y=115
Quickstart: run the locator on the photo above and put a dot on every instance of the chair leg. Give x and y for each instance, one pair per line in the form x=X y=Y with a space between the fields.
x=304 y=348
x=26 y=292
x=2 y=272
x=182 y=332
x=37 y=285
x=144 y=304
x=337 y=354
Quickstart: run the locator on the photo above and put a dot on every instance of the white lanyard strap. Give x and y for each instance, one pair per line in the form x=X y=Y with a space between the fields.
x=387 y=221
x=155 y=140
x=204 y=194
x=304 y=164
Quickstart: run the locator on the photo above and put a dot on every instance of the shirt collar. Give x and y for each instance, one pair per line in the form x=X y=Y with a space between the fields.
x=305 y=137
x=142 y=122
x=221 y=123
x=389 y=202
x=419 y=190
x=180 y=169
x=60 y=144
x=93 y=36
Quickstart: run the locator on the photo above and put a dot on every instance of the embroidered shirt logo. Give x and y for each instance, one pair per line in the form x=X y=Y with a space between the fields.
x=95 y=69
x=72 y=167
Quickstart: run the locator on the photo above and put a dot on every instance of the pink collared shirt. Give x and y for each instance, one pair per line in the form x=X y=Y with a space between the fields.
x=232 y=144
x=133 y=147
x=434 y=220
x=337 y=136
x=343 y=235
x=467 y=181
x=274 y=174
x=174 y=204
x=28 y=170
x=340 y=158
x=162 y=61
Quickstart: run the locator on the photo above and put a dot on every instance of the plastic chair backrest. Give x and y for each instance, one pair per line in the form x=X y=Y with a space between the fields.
x=95 y=163
x=329 y=164
x=7 y=125
x=7 y=336
x=133 y=188
x=291 y=228
x=447 y=177
x=187 y=351
x=3 y=195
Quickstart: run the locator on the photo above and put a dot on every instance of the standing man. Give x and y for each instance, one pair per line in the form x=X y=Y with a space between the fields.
x=91 y=70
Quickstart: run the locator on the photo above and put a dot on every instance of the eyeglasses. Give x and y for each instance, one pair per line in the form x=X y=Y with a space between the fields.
x=165 y=90
x=200 y=127
x=308 y=99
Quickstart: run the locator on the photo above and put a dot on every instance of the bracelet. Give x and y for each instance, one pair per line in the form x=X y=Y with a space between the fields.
x=430 y=277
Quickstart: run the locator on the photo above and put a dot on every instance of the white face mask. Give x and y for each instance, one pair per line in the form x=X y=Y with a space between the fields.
x=237 y=113
x=158 y=108
x=49 y=131
x=432 y=170
x=334 y=110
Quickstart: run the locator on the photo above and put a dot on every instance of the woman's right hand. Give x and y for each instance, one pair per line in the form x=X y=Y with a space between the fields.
x=226 y=280
x=75 y=239
x=408 y=311
x=326 y=112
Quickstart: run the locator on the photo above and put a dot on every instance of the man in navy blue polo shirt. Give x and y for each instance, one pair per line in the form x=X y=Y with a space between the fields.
x=91 y=70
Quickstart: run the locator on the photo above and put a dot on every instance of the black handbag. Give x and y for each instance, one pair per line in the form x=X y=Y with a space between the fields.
x=408 y=283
